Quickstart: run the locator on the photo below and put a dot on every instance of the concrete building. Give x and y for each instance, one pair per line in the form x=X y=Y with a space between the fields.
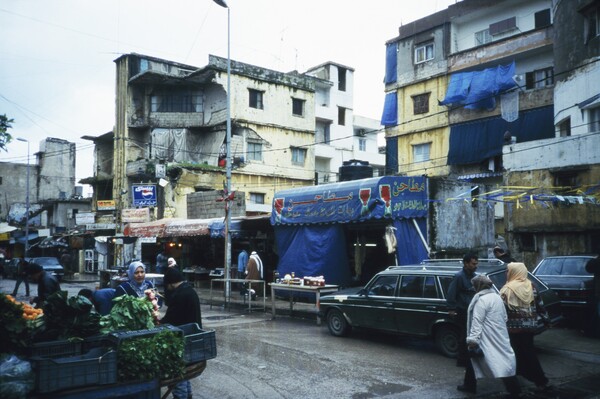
x=341 y=135
x=563 y=171
x=54 y=200
x=458 y=84
x=171 y=124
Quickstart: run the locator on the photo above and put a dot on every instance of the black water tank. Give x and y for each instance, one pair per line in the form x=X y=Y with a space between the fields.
x=355 y=170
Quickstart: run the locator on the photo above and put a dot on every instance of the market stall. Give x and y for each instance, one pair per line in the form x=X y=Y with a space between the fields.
x=67 y=350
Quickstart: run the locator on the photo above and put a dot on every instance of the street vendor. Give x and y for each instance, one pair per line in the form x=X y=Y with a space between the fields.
x=47 y=284
x=137 y=283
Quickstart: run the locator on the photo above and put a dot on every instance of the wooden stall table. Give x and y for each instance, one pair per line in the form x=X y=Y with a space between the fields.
x=242 y=281
x=315 y=289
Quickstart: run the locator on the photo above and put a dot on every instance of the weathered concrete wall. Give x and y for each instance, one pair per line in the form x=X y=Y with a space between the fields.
x=436 y=166
x=457 y=227
x=437 y=115
x=57 y=169
x=14 y=185
x=204 y=205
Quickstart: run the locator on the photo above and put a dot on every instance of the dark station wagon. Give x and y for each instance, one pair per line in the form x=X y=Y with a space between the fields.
x=411 y=300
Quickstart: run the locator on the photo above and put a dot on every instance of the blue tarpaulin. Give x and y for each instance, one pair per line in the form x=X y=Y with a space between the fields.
x=476 y=141
x=391 y=63
x=308 y=222
x=478 y=89
x=390 y=110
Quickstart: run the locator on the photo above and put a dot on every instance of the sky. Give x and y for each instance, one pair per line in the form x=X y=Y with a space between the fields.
x=57 y=75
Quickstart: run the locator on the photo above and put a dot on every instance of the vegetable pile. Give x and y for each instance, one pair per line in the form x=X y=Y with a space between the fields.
x=69 y=317
x=129 y=313
x=157 y=356
x=19 y=323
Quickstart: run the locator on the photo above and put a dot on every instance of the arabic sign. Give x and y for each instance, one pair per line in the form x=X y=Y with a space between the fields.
x=85 y=218
x=144 y=194
x=390 y=197
x=135 y=215
x=105 y=205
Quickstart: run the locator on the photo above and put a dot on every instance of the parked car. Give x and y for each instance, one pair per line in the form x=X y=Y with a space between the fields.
x=567 y=276
x=10 y=268
x=411 y=300
x=48 y=263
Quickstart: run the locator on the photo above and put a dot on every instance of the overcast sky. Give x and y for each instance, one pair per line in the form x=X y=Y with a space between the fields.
x=57 y=75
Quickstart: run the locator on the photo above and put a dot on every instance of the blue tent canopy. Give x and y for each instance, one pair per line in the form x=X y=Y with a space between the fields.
x=390 y=197
x=308 y=222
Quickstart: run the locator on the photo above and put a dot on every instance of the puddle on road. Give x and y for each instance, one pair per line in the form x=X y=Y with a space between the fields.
x=378 y=390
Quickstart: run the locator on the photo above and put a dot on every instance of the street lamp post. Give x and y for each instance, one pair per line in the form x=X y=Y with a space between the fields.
x=223 y=4
x=26 y=201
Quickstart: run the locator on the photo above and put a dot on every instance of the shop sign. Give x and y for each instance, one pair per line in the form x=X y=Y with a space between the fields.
x=144 y=194
x=85 y=218
x=132 y=215
x=106 y=205
x=100 y=226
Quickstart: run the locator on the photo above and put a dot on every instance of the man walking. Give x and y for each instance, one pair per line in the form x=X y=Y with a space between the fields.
x=47 y=284
x=21 y=278
x=460 y=293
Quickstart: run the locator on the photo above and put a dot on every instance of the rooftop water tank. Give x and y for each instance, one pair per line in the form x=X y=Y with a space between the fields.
x=355 y=170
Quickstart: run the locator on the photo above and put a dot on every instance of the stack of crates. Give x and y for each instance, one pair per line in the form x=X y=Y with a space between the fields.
x=62 y=365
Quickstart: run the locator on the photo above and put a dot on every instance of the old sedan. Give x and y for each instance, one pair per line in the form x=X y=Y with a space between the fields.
x=411 y=300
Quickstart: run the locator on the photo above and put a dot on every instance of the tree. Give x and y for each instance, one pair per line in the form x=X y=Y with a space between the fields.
x=5 y=137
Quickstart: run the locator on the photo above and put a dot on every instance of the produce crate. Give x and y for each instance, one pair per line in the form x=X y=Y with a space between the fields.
x=199 y=345
x=117 y=337
x=134 y=390
x=98 y=341
x=54 y=349
x=98 y=366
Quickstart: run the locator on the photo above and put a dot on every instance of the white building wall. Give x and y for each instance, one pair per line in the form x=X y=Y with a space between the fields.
x=576 y=89
x=464 y=28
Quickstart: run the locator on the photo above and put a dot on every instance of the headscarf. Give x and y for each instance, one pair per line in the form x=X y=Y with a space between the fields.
x=481 y=282
x=171 y=262
x=258 y=261
x=518 y=290
x=138 y=287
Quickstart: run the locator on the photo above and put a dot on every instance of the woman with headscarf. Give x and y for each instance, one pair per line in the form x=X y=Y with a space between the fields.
x=519 y=297
x=137 y=284
x=486 y=329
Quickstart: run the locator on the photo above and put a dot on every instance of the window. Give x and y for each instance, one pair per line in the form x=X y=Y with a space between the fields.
x=423 y=53
x=341 y=79
x=421 y=152
x=298 y=156
x=362 y=144
x=421 y=103
x=383 y=286
x=542 y=18
x=592 y=24
x=257 y=198
x=564 y=127
x=528 y=242
x=594 y=119
x=176 y=100
x=482 y=37
x=341 y=116
x=254 y=151
x=298 y=107
x=539 y=78
x=411 y=287
x=255 y=99
x=566 y=179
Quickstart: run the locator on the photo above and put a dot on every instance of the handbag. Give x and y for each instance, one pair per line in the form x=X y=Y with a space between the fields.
x=531 y=319
x=475 y=352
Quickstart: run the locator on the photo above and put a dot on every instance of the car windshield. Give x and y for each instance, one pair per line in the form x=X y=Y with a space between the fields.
x=46 y=261
x=562 y=267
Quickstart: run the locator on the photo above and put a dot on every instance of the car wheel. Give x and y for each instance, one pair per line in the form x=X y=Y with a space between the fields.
x=337 y=324
x=446 y=340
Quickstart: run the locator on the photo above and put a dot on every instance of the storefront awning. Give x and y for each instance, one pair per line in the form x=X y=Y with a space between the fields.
x=188 y=228
x=148 y=229
x=388 y=197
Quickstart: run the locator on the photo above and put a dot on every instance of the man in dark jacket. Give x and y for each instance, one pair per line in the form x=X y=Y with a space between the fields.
x=22 y=277
x=47 y=284
x=460 y=293
x=183 y=307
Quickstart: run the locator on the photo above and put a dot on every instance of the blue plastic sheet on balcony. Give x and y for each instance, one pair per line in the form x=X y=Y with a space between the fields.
x=478 y=89
x=390 y=110
x=391 y=63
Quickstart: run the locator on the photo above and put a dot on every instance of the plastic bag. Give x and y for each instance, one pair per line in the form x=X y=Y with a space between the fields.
x=16 y=378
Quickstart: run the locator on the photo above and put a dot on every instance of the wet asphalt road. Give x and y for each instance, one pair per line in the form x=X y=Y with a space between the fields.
x=292 y=358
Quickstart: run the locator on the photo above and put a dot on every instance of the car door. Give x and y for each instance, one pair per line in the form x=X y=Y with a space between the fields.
x=375 y=309
x=418 y=305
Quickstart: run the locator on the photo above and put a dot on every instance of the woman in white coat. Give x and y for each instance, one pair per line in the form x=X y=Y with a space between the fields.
x=486 y=327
